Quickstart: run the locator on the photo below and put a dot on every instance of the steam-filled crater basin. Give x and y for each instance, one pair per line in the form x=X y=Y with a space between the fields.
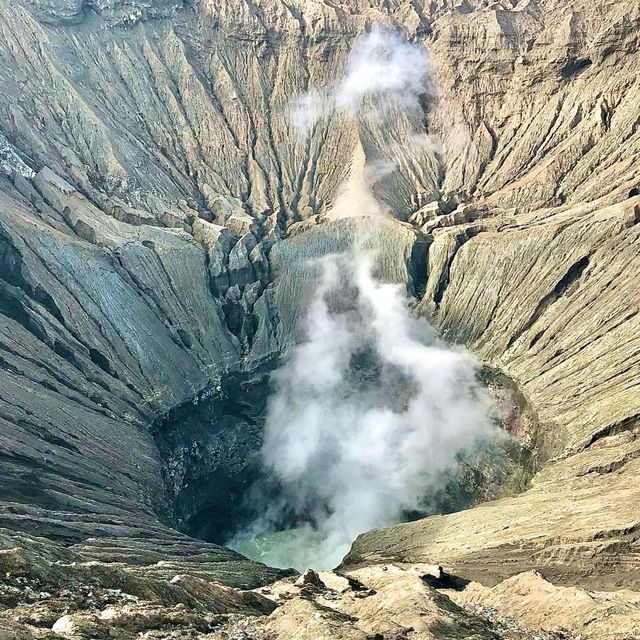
x=223 y=484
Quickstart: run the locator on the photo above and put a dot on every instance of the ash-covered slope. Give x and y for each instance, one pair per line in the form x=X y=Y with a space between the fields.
x=163 y=101
x=156 y=203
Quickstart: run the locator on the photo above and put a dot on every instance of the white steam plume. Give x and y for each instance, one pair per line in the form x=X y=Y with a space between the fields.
x=384 y=72
x=384 y=67
x=371 y=413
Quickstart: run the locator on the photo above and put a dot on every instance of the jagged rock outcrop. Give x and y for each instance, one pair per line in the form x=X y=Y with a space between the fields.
x=534 y=601
x=157 y=207
x=52 y=593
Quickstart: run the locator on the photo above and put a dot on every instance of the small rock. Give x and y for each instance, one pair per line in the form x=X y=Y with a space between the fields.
x=310 y=577
x=63 y=625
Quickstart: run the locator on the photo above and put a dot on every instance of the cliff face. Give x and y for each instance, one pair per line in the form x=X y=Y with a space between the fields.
x=126 y=305
x=162 y=102
x=157 y=206
x=557 y=281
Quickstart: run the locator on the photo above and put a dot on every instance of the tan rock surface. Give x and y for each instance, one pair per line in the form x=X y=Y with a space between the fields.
x=535 y=602
x=551 y=302
x=391 y=602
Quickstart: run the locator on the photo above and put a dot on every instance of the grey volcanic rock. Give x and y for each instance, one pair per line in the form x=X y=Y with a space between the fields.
x=115 y=12
x=398 y=249
x=558 y=313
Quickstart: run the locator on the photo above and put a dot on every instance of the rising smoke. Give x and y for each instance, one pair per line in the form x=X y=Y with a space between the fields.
x=371 y=413
x=385 y=74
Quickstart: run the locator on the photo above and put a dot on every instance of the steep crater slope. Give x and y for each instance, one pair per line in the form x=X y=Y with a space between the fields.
x=150 y=174
x=561 y=282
